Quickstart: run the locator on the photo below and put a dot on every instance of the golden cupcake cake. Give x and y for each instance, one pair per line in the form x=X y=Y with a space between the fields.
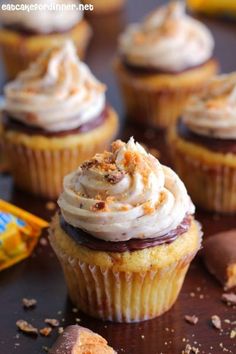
x=104 y=7
x=203 y=144
x=55 y=117
x=125 y=235
x=161 y=62
x=25 y=34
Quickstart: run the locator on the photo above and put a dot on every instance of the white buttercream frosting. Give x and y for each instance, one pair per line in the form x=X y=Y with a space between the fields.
x=124 y=194
x=213 y=112
x=168 y=39
x=58 y=92
x=46 y=20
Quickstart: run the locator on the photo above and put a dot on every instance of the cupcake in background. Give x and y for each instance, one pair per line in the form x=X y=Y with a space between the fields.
x=3 y=160
x=55 y=117
x=104 y=7
x=24 y=35
x=161 y=62
x=125 y=235
x=203 y=145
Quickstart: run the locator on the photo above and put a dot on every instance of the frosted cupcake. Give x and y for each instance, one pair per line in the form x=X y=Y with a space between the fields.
x=125 y=235
x=24 y=35
x=204 y=145
x=162 y=61
x=55 y=117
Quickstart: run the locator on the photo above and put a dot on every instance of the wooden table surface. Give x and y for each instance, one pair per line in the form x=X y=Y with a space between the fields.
x=40 y=276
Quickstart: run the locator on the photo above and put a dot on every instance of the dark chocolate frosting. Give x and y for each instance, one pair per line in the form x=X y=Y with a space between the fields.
x=84 y=239
x=211 y=143
x=27 y=32
x=149 y=70
x=12 y=124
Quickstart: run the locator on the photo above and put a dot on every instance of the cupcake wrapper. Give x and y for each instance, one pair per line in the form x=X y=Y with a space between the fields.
x=161 y=98
x=211 y=187
x=41 y=172
x=159 y=108
x=123 y=296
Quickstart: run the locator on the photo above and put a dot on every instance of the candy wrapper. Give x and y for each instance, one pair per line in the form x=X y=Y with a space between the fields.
x=225 y=8
x=19 y=233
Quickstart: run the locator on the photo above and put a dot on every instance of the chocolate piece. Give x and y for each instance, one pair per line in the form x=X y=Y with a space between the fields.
x=114 y=178
x=84 y=239
x=190 y=350
x=229 y=298
x=219 y=252
x=46 y=331
x=211 y=143
x=216 y=321
x=151 y=70
x=27 y=32
x=29 y=303
x=26 y=327
x=10 y=123
x=78 y=340
x=52 y=322
x=99 y=206
x=191 y=319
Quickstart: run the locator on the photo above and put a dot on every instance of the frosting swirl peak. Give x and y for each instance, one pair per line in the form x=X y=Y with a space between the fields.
x=213 y=112
x=124 y=194
x=167 y=40
x=56 y=93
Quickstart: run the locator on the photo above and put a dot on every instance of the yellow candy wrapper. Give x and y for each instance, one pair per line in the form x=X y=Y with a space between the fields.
x=214 y=7
x=19 y=233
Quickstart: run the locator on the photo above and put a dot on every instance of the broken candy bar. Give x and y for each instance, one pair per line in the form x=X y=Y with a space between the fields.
x=78 y=340
x=219 y=254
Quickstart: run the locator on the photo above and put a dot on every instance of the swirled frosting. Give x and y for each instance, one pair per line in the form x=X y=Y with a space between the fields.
x=57 y=93
x=124 y=194
x=46 y=20
x=168 y=40
x=213 y=112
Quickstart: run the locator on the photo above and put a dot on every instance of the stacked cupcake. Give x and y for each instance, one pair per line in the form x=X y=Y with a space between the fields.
x=161 y=62
x=125 y=235
x=26 y=34
x=55 y=117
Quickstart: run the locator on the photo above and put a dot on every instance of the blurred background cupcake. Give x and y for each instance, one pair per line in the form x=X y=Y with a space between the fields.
x=125 y=236
x=55 y=117
x=203 y=145
x=161 y=62
x=24 y=35
x=104 y=7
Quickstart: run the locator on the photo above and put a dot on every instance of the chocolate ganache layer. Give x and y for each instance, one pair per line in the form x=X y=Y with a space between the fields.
x=12 y=124
x=211 y=143
x=84 y=239
x=27 y=32
x=149 y=70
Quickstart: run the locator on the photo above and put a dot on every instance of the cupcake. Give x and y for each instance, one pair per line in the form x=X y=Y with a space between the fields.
x=203 y=144
x=55 y=117
x=162 y=61
x=125 y=235
x=104 y=7
x=25 y=34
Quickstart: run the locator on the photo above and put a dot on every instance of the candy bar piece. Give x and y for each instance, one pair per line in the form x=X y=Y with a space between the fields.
x=219 y=252
x=79 y=340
